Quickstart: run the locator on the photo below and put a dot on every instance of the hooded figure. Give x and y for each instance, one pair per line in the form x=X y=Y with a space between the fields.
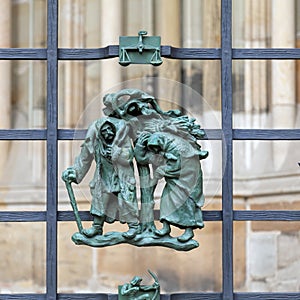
x=113 y=187
x=178 y=162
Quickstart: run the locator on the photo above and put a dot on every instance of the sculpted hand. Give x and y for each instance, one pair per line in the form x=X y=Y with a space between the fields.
x=69 y=175
x=142 y=140
x=159 y=173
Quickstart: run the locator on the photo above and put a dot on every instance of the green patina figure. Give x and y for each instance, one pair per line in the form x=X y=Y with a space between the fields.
x=178 y=163
x=113 y=187
x=133 y=290
x=136 y=129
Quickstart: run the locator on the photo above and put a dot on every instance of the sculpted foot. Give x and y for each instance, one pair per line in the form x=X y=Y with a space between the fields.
x=93 y=231
x=188 y=234
x=132 y=232
x=164 y=231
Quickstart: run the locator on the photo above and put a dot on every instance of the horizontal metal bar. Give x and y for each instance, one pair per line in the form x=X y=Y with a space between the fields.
x=211 y=134
x=23 y=53
x=179 y=296
x=40 y=134
x=266 y=134
x=23 y=296
x=266 y=296
x=23 y=134
x=87 y=296
x=189 y=296
x=266 y=215
x=184 y=53
x=213 y=215
x=195 y=296
x=208 y=215
x=88 y=53
x=190 y=53
x=270 y=53
x=22 y=216
x=71 y=134
x=69 y=216
x=112 y=51
x=40 y=216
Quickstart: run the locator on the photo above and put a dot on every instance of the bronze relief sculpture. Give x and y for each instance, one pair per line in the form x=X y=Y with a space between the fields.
x=163 y=145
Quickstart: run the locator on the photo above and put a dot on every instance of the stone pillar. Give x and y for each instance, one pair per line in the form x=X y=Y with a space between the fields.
x=192 y=24
x=111 y=29
x=283 y=74
x=298 y=46
x=192 y=37
x=167 y=25
x=253 y=112
x=298 y=71
x=37 y=89
x=72 y=36
x=238 y=66
x=72 y=97
x=256 y=36
x=92 y=68
x=5 y=70
x=212 y=39
x=5 y=66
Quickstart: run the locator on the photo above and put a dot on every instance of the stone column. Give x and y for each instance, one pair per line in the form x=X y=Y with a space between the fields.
x=37 y=90
x=167 y=25
x=72 y=97
x=192 y=37
x=92 y=68
x=212 y=39
x=72 y=36
x=111 y=29
x=298 y=46
x=5 y=42
x=238 y=66
x=253 y=112
x=256 y=36
x=192 y=24
x=283 y=73
x=298 y=71
x=5 y=70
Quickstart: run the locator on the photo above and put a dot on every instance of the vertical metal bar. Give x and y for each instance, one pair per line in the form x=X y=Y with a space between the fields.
x=52 y=153
x=227 y=186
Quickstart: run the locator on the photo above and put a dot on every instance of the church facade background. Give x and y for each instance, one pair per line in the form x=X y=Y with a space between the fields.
x=266 y=95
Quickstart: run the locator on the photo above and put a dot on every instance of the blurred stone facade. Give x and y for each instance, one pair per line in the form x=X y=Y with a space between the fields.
x=266 y=174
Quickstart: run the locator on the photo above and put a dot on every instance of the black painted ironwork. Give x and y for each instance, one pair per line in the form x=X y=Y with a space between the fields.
x=52 y=134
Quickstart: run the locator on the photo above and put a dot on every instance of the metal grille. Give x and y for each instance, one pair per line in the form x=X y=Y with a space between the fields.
x=227 y=134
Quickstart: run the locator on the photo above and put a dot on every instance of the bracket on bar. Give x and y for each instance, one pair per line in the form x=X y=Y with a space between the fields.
x=139 y=49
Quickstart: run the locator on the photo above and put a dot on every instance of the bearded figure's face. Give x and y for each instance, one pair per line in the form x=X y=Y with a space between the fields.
x=108 y=133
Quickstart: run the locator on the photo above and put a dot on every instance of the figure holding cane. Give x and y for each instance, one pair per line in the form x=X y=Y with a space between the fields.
x=113 y=187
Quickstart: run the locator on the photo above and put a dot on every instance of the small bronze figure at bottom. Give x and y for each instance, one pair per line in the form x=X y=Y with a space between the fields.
x=133 y=290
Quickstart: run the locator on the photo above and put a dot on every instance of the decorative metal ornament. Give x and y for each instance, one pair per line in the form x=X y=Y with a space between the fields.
x=136 y=129
x=139 y=50
x=133 y=290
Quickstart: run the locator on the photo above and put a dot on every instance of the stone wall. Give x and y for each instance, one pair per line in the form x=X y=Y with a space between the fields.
x=266 y=175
